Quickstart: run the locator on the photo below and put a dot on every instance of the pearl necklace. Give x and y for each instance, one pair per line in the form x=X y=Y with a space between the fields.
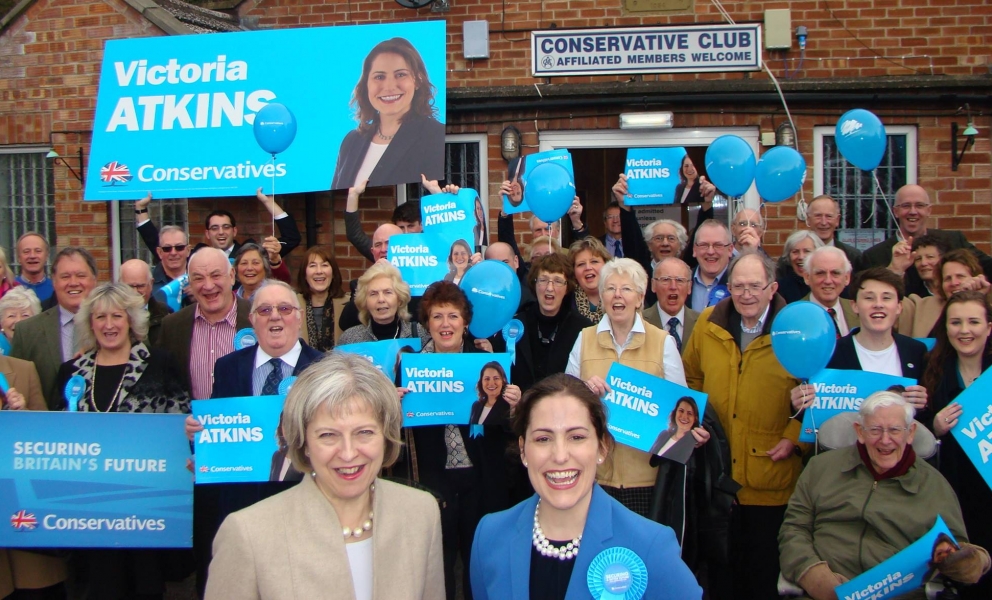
x=565 y=552
x=358 y=532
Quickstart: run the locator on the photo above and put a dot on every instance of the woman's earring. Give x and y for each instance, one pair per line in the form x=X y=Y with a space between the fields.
x=600 y=460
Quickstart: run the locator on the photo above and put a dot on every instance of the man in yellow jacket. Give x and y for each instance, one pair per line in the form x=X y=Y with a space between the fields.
x=729 y=356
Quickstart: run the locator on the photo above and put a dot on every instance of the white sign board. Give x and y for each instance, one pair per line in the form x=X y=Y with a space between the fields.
x=682 y=49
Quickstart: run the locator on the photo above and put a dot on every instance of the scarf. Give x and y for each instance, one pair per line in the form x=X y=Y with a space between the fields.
x=901 y=468
x=322 y=340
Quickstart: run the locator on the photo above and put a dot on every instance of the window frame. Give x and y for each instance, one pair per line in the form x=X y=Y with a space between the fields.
x=50 y=193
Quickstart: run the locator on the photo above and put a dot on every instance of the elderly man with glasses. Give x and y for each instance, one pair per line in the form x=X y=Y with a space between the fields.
x=729 y=357
x=911 y=209
x=671 y=282
x=855 y=507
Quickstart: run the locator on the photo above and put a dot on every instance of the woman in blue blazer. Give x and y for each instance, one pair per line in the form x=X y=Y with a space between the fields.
x=545 y=547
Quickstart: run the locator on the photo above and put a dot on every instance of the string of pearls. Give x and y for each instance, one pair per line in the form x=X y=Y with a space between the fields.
x=564 y=552
x=358 y=532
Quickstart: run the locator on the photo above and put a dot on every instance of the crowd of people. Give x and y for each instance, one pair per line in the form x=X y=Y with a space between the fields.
x=723 y=505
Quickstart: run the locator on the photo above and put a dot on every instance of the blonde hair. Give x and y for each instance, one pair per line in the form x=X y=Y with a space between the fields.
x=400 y=287
x=6 y=267
x=113 y=295
x=544 y=240
x=335 y=384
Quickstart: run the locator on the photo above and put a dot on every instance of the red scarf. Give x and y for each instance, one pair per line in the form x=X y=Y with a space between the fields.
x=902 y=467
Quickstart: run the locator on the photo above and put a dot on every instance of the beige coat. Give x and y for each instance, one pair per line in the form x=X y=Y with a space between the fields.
x=290 y=546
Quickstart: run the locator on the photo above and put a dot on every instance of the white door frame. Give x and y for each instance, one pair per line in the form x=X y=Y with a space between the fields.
x=651 y=138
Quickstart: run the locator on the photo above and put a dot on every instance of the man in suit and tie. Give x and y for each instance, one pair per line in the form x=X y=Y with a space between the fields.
x=48 y=339
x=828 y=273
x=200 y=334
x=254 y=371
x=671 y=281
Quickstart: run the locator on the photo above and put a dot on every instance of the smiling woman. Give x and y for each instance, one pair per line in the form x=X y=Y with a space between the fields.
x=398 y=136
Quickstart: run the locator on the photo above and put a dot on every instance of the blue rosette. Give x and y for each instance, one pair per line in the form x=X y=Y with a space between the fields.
x=286 y=384
x=4 y=346
x=716 y=294
x=476 y=430
x=512 y=332
x=617 y=574
x=74 y=389
x=244 y=338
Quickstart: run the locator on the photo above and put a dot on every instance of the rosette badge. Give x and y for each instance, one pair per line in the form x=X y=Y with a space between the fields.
x=617 y=574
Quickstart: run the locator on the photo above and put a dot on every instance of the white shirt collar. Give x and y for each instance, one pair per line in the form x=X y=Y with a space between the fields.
x=761 y=322
x=64 y=315
x=290 y=358
x=836 y=306
x=665 y=316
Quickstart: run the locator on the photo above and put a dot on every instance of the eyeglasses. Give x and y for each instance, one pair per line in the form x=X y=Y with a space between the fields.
x=624 y=290
x=755 y=288
x=283 y=309
x=224 y=227
x=912 y=205
x=666 y=280
x=557 y=282
x=754 y=224
x=169 y=249
x=874 y=433
x=611 y=218
x=707 y=247
x=671 y=239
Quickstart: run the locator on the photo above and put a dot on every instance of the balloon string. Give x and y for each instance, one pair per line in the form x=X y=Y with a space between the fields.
x=273 y=194
x=885 y=202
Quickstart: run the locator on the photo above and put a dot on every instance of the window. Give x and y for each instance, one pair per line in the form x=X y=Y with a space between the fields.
x=162 y=213
x=27 y=197
x=864 y=208
x=465 y=159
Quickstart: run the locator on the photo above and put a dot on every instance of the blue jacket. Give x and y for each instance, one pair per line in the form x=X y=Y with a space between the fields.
x=502 y=549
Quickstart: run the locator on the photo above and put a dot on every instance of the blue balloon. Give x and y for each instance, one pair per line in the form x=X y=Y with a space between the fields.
x=730 y=165
x=549 y=191
x=494 y=291
x=803 y=339
x=780 y=173
x=861 y=138
x=275 y=128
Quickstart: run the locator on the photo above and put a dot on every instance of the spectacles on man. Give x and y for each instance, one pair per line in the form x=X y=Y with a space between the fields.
x=266 y=310
x=557 y=282
x=755 y=288
x=874 y=433
x=743 y=224
x=611 y=218
x=912 y=206
x=224 y=227
x=671 y=239
x=707 y=247
x=665 y=280
x=170 y=249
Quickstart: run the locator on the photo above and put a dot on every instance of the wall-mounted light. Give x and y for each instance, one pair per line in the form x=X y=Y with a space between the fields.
x=651 y=120
x=969 y=139
x=785 y=135
x=509 y=143
x=80 y=175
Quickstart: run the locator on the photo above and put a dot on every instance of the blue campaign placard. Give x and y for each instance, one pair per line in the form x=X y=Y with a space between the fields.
x=240 y=438
x=517 y=202
x=384 y=354
x=201 y=93
x=443 y=387
x=90 y=480
x=974 y=429
x=905 y=571
x=421 y=259
x=641 y=409
x=840 y=391
x=453 y=217
x=652 y=175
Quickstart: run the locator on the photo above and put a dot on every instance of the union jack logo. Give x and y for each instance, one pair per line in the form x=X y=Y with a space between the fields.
x=115 y=172
x=23 y=520
x=204 y=469
x=409 y=415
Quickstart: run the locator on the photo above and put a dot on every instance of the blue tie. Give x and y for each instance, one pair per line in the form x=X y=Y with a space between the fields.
x=673 y=331
x=617 y=249
x=271 y=386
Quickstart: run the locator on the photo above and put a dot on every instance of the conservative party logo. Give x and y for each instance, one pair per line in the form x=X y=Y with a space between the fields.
x=115 y=172
x=23 y=520
x=204 y=469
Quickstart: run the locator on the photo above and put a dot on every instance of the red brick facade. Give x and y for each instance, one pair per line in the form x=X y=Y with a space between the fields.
x=50 y=56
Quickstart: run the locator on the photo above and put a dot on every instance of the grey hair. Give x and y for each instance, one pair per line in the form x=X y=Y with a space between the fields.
x=245 y=249
x=825 y=250
x=69 y=252
x=544 y=240
x=400 y=288
x=275 y=283
x=552 y=225
x=882 y=399
x=171 y=229
x=796 y=237
x=336 y=384
x=114 y=295
x=672 y=259
x=728 y=236
x=680 y=231
x=766 y=264
x=20 y=298
x=628 y=267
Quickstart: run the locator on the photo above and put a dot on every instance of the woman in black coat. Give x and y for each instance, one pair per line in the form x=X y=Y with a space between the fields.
x=962 y=353
x=398 y=136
